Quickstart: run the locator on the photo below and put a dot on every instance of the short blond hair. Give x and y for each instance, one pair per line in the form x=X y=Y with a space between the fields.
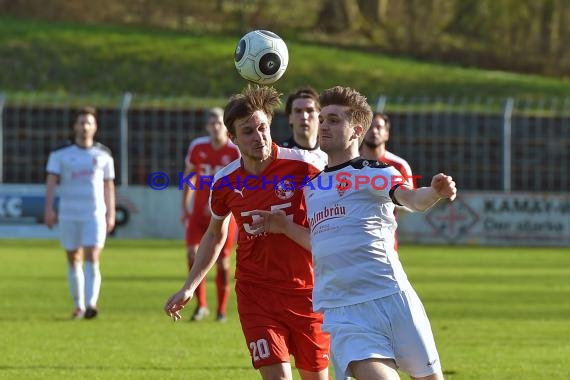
x=359 y=111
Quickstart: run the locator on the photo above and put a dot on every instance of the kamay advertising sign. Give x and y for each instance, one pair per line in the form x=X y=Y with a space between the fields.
x=492 y=218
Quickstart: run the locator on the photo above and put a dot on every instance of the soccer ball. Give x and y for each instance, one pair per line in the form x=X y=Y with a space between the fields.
x=261 y=56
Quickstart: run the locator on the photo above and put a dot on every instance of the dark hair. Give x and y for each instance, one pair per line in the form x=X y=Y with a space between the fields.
x=359 y=111
x=302 y=93
x=251 y=99
x=383 y=116
x=215 y=112
x=88 y=110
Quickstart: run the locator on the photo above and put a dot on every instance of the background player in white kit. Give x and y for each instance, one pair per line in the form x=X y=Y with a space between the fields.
x=376 y=321
x=85 y=173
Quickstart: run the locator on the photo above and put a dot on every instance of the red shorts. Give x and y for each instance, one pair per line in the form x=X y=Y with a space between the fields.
x=277 y=325
x=196 y=228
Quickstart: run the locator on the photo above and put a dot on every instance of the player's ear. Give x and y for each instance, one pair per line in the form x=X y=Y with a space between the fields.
x=358 y=131
x=232 y=137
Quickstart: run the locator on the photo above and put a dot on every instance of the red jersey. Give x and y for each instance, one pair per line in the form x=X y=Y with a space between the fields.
x=400 y=165
x=207 y=161
x=270 y=260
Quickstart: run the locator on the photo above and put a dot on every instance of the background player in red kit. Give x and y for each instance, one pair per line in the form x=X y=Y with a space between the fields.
x=373 y=147
x=206 y=155
x=274 y=275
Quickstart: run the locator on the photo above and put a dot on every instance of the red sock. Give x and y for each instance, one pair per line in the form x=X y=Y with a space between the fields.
x=201 y=294
x=223 y=287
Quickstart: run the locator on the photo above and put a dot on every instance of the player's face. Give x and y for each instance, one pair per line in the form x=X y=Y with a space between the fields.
x=216 y=128
x=85 y=127
x=378 y=133
x=336 y=134
x=253 y=136
x=304 y=117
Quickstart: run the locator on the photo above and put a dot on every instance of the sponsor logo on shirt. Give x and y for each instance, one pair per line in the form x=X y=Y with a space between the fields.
x=240 y=192
x=284 y=189
x=82 y=173
x=327 y=213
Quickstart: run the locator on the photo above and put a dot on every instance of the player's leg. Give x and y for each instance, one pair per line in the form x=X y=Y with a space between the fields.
x=223 y=274
x=435 y=376
x=195 y=229
x=201 y=310
x=70 y=241
x=266 y=336
x=310 y=345
x=92 y=280
x=374 y=369
x=361 y=340
x=414 y=344
x=279 y=371
x=94 y=234
x=223 y=281
x=310 y=375
x=75 y=278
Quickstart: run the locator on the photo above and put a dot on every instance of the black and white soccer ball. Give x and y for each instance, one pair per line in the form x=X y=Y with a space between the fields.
x=261 y=56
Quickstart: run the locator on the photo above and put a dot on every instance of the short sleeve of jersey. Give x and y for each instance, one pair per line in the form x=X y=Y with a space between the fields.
x=315 y=161
x=53 y=164
x=218 y=205
x=190 y=156
x=383 y=180
x=109 y=170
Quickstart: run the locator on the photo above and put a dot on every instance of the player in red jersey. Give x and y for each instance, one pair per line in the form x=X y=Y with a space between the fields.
x=274 y=275
x=206 y=155
x=373 y=147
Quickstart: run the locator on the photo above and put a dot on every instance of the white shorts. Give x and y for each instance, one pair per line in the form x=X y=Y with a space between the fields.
x=82 y=233
x=394 y=327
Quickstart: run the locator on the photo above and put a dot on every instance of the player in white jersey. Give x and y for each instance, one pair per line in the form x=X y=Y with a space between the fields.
x=86 y=212
x=302 y=109
x=376 y=320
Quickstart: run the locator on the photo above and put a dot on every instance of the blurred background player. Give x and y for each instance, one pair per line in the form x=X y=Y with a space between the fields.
x=302 y=109
x=206 y=155
x=274 y=275
x=373 y=147
x=86 y=213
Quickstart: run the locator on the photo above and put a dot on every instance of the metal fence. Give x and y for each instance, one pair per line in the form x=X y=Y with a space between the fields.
x=486 y=144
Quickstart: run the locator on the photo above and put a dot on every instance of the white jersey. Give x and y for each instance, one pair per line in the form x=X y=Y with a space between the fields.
x=351 y=218
x=82 y=172
x=322 y=157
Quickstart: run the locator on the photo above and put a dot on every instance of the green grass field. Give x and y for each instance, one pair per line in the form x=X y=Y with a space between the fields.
x=497 y=313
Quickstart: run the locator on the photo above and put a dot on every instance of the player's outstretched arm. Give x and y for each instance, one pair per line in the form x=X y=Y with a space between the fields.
x=277 y=222
x=208 y=252
x=442 y=186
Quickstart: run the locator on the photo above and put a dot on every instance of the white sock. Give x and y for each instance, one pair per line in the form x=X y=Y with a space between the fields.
x=76 y=284
x=92 y=283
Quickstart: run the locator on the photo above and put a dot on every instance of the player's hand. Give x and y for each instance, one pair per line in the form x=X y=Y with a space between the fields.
x=50 y=218
x=110 y=223
x=444 y=186
x=269 y=221
x=176 y=303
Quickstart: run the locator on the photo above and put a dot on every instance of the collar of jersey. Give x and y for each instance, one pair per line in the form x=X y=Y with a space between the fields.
x=344 y=165
x=291 y=143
